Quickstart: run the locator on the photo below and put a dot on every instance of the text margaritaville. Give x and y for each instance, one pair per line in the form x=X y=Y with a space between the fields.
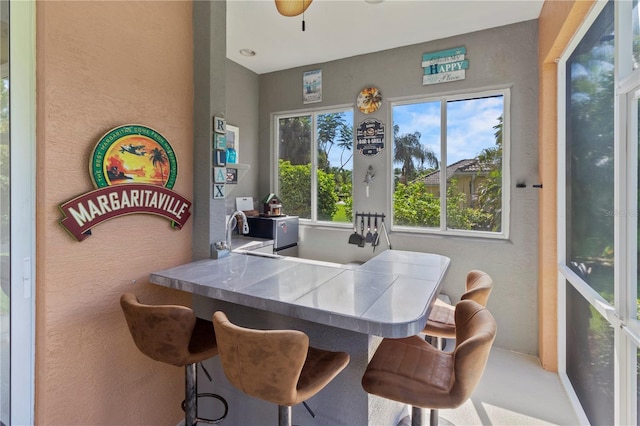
x=88 y=210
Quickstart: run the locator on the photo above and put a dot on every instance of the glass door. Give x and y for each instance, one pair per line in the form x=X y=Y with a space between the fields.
x=631 y=329
x=598 y=226
x=5 y=292
x=17 y=211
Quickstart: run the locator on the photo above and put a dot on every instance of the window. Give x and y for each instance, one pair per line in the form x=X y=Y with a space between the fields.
x=468 y=134
x=314 y=175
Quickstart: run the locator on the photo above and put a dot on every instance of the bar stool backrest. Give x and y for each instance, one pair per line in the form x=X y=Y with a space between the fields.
x=475 y=332
x=265 y=364
x=161 y=332
x=478 y=287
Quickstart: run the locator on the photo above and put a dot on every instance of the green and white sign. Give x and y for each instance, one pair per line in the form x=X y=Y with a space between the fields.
x=444 y=66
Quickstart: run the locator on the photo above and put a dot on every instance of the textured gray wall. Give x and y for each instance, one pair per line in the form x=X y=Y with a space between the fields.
x=242 y=111
x=209 y=66
x=500 y=57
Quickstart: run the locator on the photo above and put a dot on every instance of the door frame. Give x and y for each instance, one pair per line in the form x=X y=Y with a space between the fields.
x=22 y=67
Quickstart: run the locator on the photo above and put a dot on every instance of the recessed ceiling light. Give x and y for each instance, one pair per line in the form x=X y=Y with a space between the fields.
x=373 y=1
x=247 y=52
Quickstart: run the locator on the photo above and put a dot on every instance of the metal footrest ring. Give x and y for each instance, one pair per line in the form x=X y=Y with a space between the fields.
x=211 y=395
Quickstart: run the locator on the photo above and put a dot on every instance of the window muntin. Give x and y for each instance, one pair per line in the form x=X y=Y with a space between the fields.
x=466 y=134
x=314 y=174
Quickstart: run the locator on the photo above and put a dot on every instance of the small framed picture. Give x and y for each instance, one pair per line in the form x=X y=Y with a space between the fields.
x=312 y=87
x=232 y=143
x=232 y=176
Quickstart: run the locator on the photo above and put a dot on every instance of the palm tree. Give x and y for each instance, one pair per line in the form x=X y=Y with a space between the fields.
x=490 y=191
x=294 y=142
x=345 y=141
x=408 y=149
x=328 y=126
x=158 y=157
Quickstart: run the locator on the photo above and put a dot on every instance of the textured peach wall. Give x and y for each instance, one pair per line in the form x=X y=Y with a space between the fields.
x=557 y=23
x=101 y=64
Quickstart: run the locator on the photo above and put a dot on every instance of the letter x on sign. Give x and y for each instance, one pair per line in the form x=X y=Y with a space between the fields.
x=218 y=191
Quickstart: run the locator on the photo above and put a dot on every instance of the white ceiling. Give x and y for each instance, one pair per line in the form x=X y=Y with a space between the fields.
x=338 y=29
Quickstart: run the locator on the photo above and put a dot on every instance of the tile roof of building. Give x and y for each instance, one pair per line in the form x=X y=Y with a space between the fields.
x=461 y=166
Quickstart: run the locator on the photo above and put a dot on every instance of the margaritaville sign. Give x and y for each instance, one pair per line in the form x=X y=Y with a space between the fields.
x=133 y=169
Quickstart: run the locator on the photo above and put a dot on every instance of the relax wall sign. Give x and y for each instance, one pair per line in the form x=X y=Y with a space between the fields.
x=133 y=169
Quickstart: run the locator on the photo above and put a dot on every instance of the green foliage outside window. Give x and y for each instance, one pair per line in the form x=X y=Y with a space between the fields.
x=334 y=152
x=414 y=206
x=295 y=182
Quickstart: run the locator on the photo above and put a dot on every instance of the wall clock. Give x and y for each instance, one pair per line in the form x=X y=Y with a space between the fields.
x=369 y=100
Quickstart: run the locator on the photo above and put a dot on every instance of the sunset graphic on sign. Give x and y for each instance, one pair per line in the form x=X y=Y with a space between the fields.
x=136 y=159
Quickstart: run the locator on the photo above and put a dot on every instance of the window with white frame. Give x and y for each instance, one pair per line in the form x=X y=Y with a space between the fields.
x=314 y=174
x=464 y=136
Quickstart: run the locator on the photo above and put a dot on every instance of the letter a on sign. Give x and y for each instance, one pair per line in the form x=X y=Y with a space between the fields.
x=220 y=174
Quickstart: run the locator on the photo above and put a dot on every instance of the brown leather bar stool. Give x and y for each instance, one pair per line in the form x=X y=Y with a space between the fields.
x=276 y=366
x=411 y=371
x=441 y=323
x=172 y=334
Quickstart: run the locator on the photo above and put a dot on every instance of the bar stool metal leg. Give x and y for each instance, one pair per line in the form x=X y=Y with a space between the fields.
x=416 y=416
x=433 y=418
x=284 y=415
x=190 y=404
x=191 y=399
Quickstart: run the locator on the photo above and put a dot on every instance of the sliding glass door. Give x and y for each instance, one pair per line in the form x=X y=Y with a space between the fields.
x=17 y=211
x=598 y=220
x=5 y=262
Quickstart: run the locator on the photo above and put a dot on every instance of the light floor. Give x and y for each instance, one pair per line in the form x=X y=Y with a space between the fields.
x=514 y=390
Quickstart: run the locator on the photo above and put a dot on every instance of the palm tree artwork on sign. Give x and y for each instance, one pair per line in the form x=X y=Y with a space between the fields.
x=137 y=159
x=158 y=158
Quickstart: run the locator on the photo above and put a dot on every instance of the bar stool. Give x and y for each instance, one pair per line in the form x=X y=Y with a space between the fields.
x=276 y=366
x=441 y=323
x=172 y=334
x=411 y=371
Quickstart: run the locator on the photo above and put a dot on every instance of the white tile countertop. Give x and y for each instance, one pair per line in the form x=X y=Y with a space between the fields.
x=389 y=295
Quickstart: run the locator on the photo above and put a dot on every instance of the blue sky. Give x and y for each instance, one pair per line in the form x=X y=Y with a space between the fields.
x=469 y=125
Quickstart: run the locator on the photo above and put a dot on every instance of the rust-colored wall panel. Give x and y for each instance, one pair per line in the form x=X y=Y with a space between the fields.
x=558 y=22
x=102 y=64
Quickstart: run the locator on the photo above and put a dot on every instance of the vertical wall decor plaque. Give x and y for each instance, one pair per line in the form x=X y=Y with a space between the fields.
x=219 y=157
x=312 y=87
x=370 y=137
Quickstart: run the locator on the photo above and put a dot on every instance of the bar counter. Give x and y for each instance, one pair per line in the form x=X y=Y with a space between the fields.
x=341 y=307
